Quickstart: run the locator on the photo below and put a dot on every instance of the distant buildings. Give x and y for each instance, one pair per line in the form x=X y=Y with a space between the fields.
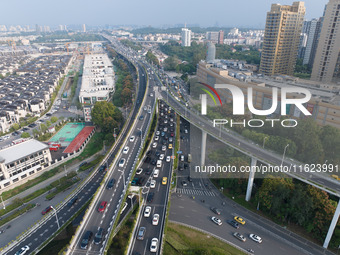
x=281 y=38
x=220 y=37
x=212 y=36
x=326 y=67
x=251 y=37
x=313 y=32
x=84 y=28
x=186 y=37
x=97 y=82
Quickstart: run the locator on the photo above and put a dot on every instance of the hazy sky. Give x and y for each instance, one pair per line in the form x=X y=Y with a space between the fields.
x=240 y=13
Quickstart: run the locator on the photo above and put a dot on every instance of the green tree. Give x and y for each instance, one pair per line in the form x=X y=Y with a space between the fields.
x=43 y=127
x=25 y=135
x=48 y=123
x=54 y=119
x=152 y=58
x=331 y=143
x=15 y=126
x=106 y=116
x=171 y=63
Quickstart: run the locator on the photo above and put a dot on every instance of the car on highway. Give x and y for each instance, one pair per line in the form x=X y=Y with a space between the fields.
x=239 y=237
x=255 y=238
x=83 y=164
x=141 y=233
x=72 y=201
x=156 y=138
x=86 y=239
x=161 y=157
x=150 y=197
x=155 y=173
x=23 y=250
x=147 y=211
x=215 y=210
x=102 y=168
x=126 y=150
x=102 y=206
x=170 y=146
x=157 y=132
x=233 y=223
x=168 y=158
x=145 y=108
x=155 y=219
x=154 y=245
x=163 y=148
x=154 y=145
x=141 y=117
x=184 y=183
x=240 y=220
x=121 y=162
x=110 y=184
x=164 y=180
x=216 y=221
x=99 y=235
x=139 y=171
x=132 y=138
x=153 y=184
x=46 y=210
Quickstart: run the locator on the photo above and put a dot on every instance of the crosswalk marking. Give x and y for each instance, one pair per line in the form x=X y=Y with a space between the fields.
x=196 y=192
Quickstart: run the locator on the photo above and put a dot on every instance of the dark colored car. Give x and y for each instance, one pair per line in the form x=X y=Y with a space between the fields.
x=102 y=168
x=140 y=181
x=153 y=162
x=148 y=153
x=147 y=160
x=110 y=184
x=46 y=210
x=72 y=201
x=83 y=164
x=150 y=196
x=86 y=239
x=32 y=125
x=233 y=223
x=141 y=233
x=189 y=179
x=215 y=210
x=147 y=171
x=157 y=154
x=99 y=235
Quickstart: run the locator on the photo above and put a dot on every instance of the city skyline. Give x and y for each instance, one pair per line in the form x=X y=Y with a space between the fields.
x=148 y=14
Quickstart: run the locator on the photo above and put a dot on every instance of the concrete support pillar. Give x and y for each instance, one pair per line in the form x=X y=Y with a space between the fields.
x=332 y=226
x=251 y=178
x=203 y=147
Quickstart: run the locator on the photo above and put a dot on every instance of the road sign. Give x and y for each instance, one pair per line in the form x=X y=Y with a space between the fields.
x=173 y=157
x=114 y=135
x=179 y=152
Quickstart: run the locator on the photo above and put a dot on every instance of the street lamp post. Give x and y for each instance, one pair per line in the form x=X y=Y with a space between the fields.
x=264 y=140
x=55 y=212
x=114 y=134
x=65 y=170
x=123 y=177
x=284 y=153
x=3 y=204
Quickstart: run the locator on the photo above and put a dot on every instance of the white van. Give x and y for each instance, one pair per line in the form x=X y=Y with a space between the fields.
x=155 y=173
x=159 y=163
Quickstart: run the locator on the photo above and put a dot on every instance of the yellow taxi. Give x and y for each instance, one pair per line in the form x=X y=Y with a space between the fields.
x=164 y=180
x=240 y=220
x=170 y=146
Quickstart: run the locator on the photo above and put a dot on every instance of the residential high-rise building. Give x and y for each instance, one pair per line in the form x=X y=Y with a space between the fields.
x=220 y=37
x=211 y=52
x=84 y=28
x=312 y=38
x=186 y=37
x=212 y=36
x=281 y=38
x=326 y=67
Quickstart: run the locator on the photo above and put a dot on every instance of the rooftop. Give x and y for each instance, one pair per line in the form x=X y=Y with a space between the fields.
x=21 y=150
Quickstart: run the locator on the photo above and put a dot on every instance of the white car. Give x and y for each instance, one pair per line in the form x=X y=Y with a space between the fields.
x=126 y=150
x=139 y=171
x=255 y=238
x=161 y=157
x=154 y=245
x=147 y=211
x=145 y=108
x=153 y=184
x=121 y=162
x=132 y=138
x=157 y=132
x=165 y=129
x=23 y=250
x=163 y=148
x=168 y=159
x=154 y=145
x=216 y=221
x=6 y=137
x=155 y=219
x=156 y=138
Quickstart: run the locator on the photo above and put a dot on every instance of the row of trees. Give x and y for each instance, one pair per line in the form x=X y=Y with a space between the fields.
x=124 y=84
x=106 y=116
x=152 y=58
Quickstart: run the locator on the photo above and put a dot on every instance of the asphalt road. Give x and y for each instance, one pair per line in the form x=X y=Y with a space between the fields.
x=121 y=174
x=161 y=191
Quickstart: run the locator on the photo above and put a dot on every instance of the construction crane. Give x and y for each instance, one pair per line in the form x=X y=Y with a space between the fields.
x=12 y=43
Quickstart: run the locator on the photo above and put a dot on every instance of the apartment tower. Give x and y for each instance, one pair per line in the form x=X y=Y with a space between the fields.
x=282 y=38
x=186 y=37
x=326 y=67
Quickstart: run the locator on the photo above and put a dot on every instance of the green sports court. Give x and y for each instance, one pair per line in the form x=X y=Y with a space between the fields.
x=66 y=135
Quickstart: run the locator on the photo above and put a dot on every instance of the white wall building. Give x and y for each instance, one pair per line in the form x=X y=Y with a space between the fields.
x=186 y=37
